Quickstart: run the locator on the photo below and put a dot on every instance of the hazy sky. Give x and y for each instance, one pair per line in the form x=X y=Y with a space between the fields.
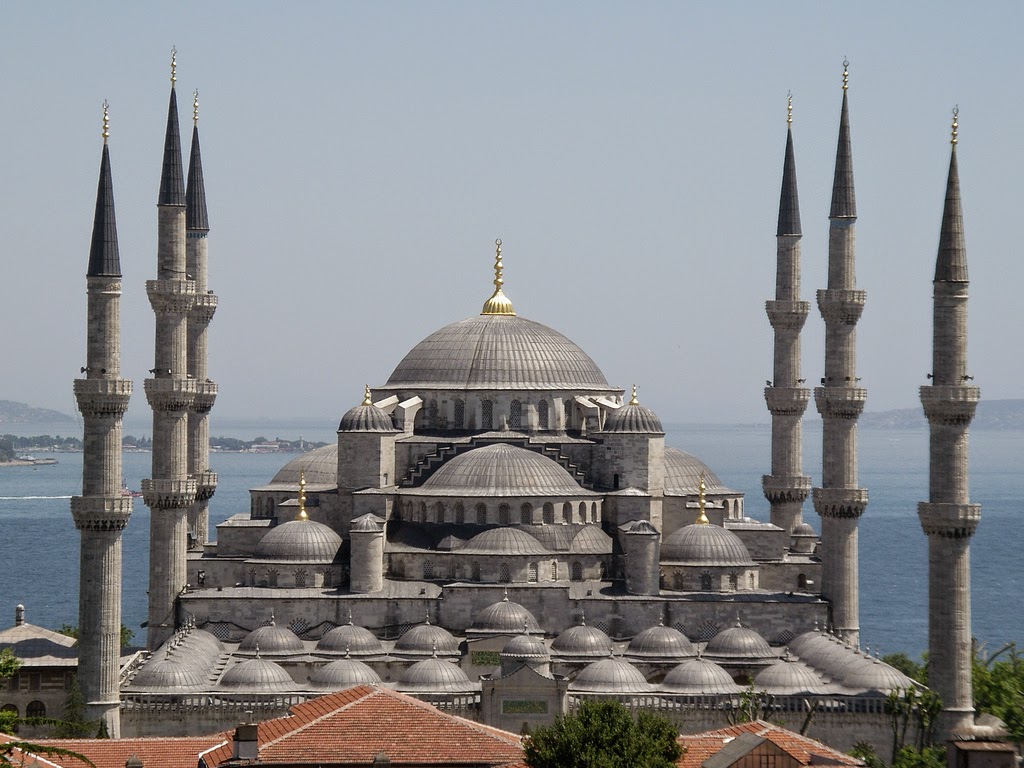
x=360 y=159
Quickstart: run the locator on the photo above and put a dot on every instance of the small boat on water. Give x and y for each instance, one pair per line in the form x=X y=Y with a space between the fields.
x=33 y=460
x=126 y=491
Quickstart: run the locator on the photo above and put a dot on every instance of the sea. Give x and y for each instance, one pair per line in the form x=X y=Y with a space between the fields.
x=39 y=543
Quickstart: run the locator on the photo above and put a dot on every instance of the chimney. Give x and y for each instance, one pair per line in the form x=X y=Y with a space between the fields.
x=133 y=762
x=19 y=615
x=246 y=742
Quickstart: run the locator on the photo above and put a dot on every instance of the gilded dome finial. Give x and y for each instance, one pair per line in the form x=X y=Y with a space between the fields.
x=367 y=397
x=789 y=108
x=174 y=66
x=499 y=303
x=956 y=124
x=702 y=519
x=302 y=496
x=633 y=400
x=846 y=73
x=106 y=121
x=195 y=107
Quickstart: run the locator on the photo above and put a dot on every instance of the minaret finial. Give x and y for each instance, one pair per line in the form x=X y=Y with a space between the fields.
x=956 y=124
x=174 y=66
x=106 y=121
x=499 y=303
x=195 y=107
x=367 y=397
x=633 y=400
x=789 y=108
x=702 y=519
x=846 y=73
x=302 y=496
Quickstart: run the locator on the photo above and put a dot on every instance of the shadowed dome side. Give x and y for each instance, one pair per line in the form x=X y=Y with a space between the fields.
x=427 y=639
x=610 y=676
x=705 y=544
x=582 y=640
x=875 y=675
x=366 y=417
x=591 y=540
x=697 y=677
x=305 y=541
x=177 y=673
x=271 y=640
x=502 y=352
x=634 y=418
x=435 y=675
x=343 y=673
x=683 y=471
x=257 y=675
x=505 y=618
x=739 y=642
x=349 y=638
x=501 y=469
x=320 y=466
x=661 y=642
x=787 y=677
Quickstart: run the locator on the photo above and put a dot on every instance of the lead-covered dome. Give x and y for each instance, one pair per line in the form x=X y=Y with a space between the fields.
x=320 y=466
x=305 y=541
x=501 y=469
x=343 y=673
x=787 y=677
x=170 y=674
x=497 y=352
x=661 y=642
x=582 y=640
x=634 y=418
x=366 y=417
x=427 y=639
x=257 y=675
x=683 y=472
x=435 y=676
x=739 y=643
x=697 y=677
x=271 y=640
x=504 y=618
x=705 y=544
x=504 y=541
x=610 y=676
x=348 y=638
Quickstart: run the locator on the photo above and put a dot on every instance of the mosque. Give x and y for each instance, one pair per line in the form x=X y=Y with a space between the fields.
x=500 y=530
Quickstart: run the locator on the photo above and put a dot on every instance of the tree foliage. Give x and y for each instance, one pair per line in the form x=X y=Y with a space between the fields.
x=604 y=735
x=71 y=630
x=999 y=687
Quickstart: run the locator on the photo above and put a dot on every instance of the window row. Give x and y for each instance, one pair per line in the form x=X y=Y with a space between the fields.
x=518 y=417
x=502 y=514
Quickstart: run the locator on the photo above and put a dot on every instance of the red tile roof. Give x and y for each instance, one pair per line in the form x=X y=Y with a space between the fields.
x=112 y=753
x=700 y=747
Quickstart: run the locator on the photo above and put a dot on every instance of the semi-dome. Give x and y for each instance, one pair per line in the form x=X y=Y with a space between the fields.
x=504 y=618
x=696 y=677
x=320 y=466
x=271 y=640
x=435 y=676
x=739 y=643
x=787 y=677
x=610 y=675
x=582 y=640
x=497 y=352
x=177 y=673
x=683 y=472
x=591 y=540
x=501 y=469
x=343 y=673
x=349 y=638
x=366 y=417
x=427 y=639
x=705 y=544
x=504 y=541
x=305 y=541
x=257 y=675
x=634 y=418
x=661 y=642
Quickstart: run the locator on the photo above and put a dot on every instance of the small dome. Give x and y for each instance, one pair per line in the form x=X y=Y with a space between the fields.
x=343 y=673
x=804 y=529
x=661 y=642
x=435 y=676
x=634 y=418
x=739 y=643
x=201 y=643
x=804 y=539
x=349 y=638
x=303 y=541
x=271 y=640
x=176 y=673
x=705 y=544
x=697 y=677
x=591 y=540
x=366 y=418
x=787 y=677
x=257 y=675
x=501 y=469
x=610 y=676
x=824 y=653
x=582 y=640
x=875 y=675
x=504 y=618
x=320 y=466
x=427 y=639
x=525 y=647
x=504 y=541
x=683 y=472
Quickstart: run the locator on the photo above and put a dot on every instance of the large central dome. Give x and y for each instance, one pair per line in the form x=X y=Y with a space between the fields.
x=497 y=352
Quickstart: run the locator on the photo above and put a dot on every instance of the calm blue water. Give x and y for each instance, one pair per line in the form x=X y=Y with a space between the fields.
x=39 y=545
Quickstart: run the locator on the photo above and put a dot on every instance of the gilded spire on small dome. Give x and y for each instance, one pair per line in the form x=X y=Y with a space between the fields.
x=956 y=125
x=367 y=398
x=789 y=108
x=195 y=107
x=633 y=400
x=106 y=121
x=846 y=73
x=702 y=519
x=302 y=496
x=174 y=66
x=499 y=303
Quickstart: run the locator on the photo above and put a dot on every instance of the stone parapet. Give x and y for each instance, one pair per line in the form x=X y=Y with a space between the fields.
x=950 y=405
x=787 y=401
x=101 y=513
x=203 y=308
x=103 y=397
x=841 y=305
x=170 y=394
x=840 y=402
x=206 y=485
x=205 y=396
x=952 y=521
x=171 y=296
x=840 y=502
x=778 y=488
x=787 y=315
x=169 y=494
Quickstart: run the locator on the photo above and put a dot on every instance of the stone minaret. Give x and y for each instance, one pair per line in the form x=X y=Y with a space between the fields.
x=787 y=486
x=171 y=492
x=840 y=400
x=948 y=518
x=197 y=226
x=102 y=511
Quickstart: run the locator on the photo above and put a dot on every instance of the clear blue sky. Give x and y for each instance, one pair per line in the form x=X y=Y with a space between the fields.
x=360 y=159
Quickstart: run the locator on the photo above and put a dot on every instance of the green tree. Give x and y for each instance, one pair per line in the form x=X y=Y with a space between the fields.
x=999 y=687
x=604 y=735
x=912 y=669
x=72 y=631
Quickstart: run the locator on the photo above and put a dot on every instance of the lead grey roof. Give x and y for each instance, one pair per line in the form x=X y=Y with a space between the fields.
x=739 y=643
x=951 y=264
x=104 y=260
x=427 y=638
x=705 y=544
x=343 y=673
x=591 y=540
x=844 y=203
x=698 y=677
x=500 y=352
x=787 y=677
x=634 y=419
x=196 y=217
x=349 y=638
x=501 y=469
x=661 y=642
x=171 y=673
x=610 y=675
x=257 y=675
x=271 y=640
x=366 y=418
x=504 y=617
x=582 y=640
x=435 y=675
x=682 y=474
x=789 y=202
x=172 y=185
x=504 y=541
x=320 y=465
x=525 y=647
x=301 y=541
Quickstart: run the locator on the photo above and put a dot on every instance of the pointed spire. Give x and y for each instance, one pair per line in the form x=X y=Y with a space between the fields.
x=104 y=260
x=367 y=397
x=633 y=400
x=302 y=496
x=499 y=303
x=789 y=203
x=196 y=218
x=702 y=519
x=844 y=204
x=951 y=264
x=172 y=187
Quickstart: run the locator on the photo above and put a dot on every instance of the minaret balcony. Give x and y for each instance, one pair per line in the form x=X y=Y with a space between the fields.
x=103 y=285
x=951 y=521
x=169 y=494
x=103 y=397
x=950 y=405
x=787 y=401
x=171 y=296
x=203 y=309
x=780 y=488
x=101 y=513
x=170 y=394
x=840 y=502
x=787 y=315
x=206 y=394
x=841 y=306
x=206 y=485
x=840 y=402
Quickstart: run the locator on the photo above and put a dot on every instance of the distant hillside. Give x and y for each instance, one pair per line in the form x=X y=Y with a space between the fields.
x=992 y=414
x=20 y=413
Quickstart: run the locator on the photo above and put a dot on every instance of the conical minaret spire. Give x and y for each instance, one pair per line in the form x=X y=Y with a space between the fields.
x=787 y=487
x=102 y=512
x=197 y=227
x=948 y=518
x=840 y=399
x=170 y=393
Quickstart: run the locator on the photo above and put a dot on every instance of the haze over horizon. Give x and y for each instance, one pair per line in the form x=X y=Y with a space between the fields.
x=360 y=160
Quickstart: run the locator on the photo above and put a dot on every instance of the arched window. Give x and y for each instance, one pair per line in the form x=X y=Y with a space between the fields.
x=531 y=572
x=503 y=514
x=515 y=415
x=272 y=577
x=734 y=581
x=549 y=513
x=428 y=569
x=252 y=577
x=567 y=512
x=35 y=709
x=270 y=507
x=300 y=578
x=460 y=414
x=460 y=514
x=705 y=582
x=487 y=414
x=752 y=582
x=10 y=708
x=481 y=514
x=475 y=570
x=568 y=415
x=432 y=414
x=801 y=582
x=542 y=414
x=678 y=581
x=577 y=571
x=452 y=571
x=439 y=511
x=583 y=511
x=423 y=512
x=504 y=573
x=593 y=511
x=328 y=578
x=615 y=481
x=554 y=570
x=526 y=514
